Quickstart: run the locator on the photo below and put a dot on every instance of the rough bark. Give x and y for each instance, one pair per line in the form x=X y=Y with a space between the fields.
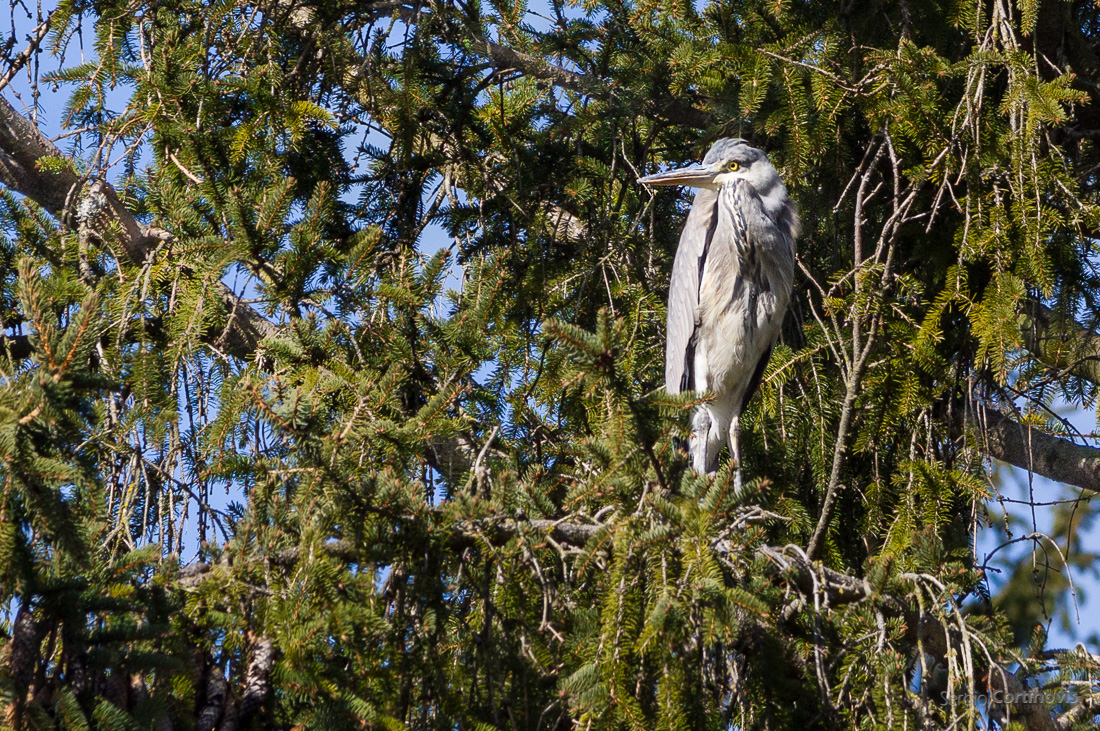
x=256 y=678
x=217 y=691
x=22 y=150
x=25 y=638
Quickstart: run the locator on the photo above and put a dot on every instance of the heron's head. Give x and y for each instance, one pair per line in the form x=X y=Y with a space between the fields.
x=727 y=159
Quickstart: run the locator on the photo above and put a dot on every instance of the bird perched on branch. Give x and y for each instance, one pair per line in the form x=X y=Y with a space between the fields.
x=731 y=282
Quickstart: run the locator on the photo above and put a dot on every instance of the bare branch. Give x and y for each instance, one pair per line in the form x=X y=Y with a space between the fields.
x=1027 y=447
x=861 y=350
x=35 y=39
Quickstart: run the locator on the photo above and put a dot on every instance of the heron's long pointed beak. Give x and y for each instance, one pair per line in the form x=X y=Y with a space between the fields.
x=693 y=175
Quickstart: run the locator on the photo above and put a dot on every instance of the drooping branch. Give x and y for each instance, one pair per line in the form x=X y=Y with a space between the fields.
x=671 y=108
x=509 y=58
x=925 y=630
x=33 y=166
x=1060 y=342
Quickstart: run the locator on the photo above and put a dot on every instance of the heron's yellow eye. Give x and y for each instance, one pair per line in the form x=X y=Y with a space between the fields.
x=732 y=166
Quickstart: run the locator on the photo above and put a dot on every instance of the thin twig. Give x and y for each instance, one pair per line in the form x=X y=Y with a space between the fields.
x=21 y=60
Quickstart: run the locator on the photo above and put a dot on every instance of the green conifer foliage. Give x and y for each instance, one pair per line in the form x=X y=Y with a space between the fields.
x=264 y=463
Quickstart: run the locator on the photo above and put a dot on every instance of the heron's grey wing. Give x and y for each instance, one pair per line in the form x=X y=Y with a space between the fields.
x=776 y=241
x=757 y=376
x=683 y=291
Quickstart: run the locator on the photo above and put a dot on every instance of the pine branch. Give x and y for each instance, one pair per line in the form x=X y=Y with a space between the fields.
x=788 y=564
x=1084 y=708
x=58 y=189
x=504 y=58
x=33 y=166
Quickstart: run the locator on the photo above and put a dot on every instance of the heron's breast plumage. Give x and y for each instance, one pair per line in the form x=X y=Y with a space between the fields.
x=744 y=289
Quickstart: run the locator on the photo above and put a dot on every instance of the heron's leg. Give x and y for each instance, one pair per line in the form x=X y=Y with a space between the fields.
x=709 y=423
x=700 y=439
x=735 y=449
x=708 y=434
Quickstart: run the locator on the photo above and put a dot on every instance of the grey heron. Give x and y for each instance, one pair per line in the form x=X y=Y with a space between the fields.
x=731 y=282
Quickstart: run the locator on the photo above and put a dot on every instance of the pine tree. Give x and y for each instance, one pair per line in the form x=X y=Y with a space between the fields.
x=265 y=466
